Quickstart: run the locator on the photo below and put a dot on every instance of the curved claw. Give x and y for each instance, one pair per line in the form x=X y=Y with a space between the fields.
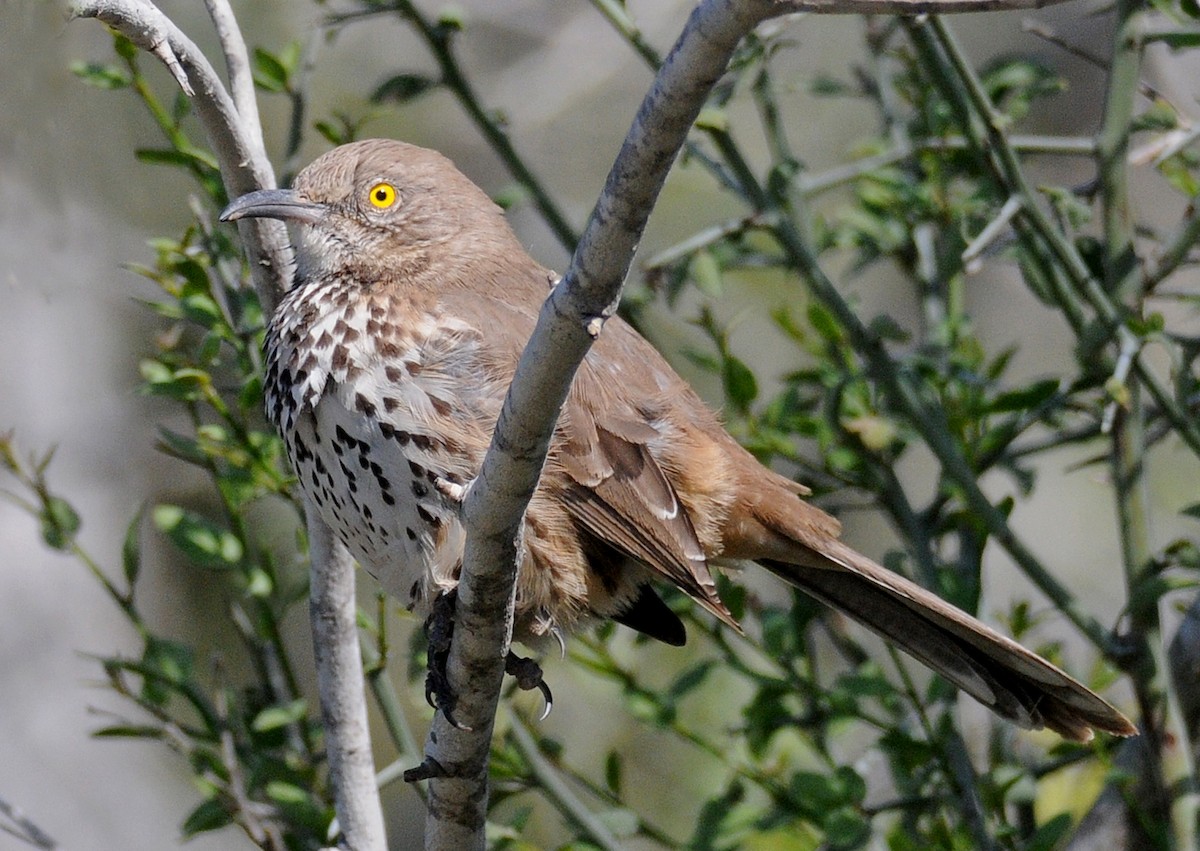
x=548 y=697
x=562 y=642
x=528 y=675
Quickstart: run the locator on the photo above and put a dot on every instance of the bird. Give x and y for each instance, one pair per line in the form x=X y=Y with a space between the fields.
x=387 y=362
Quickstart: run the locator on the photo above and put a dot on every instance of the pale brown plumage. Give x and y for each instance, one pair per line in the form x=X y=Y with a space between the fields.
x=387 y=365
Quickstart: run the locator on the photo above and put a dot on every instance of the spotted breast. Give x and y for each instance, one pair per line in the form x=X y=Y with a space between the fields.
x=371 y=398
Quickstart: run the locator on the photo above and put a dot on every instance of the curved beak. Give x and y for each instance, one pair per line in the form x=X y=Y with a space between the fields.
x=284 y=204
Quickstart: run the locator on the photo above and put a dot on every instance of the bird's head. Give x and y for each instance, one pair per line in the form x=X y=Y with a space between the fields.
x=379 y=210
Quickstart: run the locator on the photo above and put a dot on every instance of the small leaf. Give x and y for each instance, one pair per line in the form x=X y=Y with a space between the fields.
x=165 y=662
x=1049 y=836
x=823 y=322
x=172 y=156
x=198 y=537
x=270 y=73
x=845 y=827
x=1025 y=398
x=612 y=772
x=623 y=822
x=60 y=522
x=705 y=271
x=452 y=18
x=286 y=793
x=402 y=88
x=274 y=717
x=690 y=679
x=712 y=118
x=876 y=433
x=101 y=76
x=210 y=815
x=740 y=385
x=131 y=550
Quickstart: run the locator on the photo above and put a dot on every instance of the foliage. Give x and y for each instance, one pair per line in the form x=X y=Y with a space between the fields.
x=942 y=190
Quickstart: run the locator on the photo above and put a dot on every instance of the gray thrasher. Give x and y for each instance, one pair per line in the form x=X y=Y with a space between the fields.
x=387 y=363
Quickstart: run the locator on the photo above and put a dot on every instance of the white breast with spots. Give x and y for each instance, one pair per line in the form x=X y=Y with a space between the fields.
x=375 y=401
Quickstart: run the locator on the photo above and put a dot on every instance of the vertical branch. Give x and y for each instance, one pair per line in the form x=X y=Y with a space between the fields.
x=1164 y=780
x=234 y=131
x=333 y=613
x=237 y=66
x=572 y=317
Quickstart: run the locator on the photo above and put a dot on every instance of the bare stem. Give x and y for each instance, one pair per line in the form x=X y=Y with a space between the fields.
x=573 y=315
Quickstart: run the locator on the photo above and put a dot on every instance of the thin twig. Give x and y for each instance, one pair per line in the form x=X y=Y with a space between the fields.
x=556 y=789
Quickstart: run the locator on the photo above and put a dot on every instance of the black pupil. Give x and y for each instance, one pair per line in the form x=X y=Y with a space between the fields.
x=381 y=195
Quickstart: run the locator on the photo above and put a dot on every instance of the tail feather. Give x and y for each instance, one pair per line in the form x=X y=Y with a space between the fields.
x=992 y=668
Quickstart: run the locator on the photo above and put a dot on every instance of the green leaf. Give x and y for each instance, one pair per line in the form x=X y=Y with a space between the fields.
x=823 y=322
x=260 y=585
x=128 y=731
x=59 y=523
x=131 y=550
x=612 y=772
x=274 y=717
x=202 y=309
x=101 y=76
x=690 y=679
x=286 y=793
x=1050 y=834
x=183 y=385
x=622 y=821
x=740 y=385
x=1025 y=398
x=210 y=815
x=845 y=827
x=705 y=271
x=402 y=88
x=172 y=156
x=198 y=537
x=270 y=72
x=164 y=662
x=712 y=118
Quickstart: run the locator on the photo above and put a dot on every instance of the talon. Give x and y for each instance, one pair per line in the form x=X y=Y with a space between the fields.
x=440 y=627
x=562 y=642
x=528 y=675
x=548 y=697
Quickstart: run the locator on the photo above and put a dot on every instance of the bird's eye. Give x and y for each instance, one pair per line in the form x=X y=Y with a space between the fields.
x=382 y=195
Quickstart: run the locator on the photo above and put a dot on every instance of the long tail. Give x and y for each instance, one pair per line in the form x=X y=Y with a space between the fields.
x=995 y=670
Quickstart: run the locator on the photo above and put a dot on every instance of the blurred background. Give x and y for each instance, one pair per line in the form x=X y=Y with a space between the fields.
x=75 y=206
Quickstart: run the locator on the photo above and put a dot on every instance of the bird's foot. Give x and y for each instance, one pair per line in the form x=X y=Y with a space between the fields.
x=439 y=628
x=528 y=675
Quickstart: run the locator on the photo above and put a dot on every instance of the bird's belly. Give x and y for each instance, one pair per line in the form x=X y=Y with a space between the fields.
x=373 y=484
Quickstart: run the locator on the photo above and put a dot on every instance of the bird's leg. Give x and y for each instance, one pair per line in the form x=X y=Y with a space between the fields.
x=528 y=675
x=439 y=629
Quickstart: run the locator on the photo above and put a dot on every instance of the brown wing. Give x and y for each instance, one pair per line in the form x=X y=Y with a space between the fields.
x=619 y=494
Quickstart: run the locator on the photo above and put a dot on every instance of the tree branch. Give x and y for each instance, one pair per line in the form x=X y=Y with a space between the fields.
x=570 y=320
x=236 y=141
x=1113 y=821
x=333 y=614
x=235 y=133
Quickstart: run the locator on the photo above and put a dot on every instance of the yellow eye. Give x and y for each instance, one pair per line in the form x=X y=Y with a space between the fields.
x=382 y=195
